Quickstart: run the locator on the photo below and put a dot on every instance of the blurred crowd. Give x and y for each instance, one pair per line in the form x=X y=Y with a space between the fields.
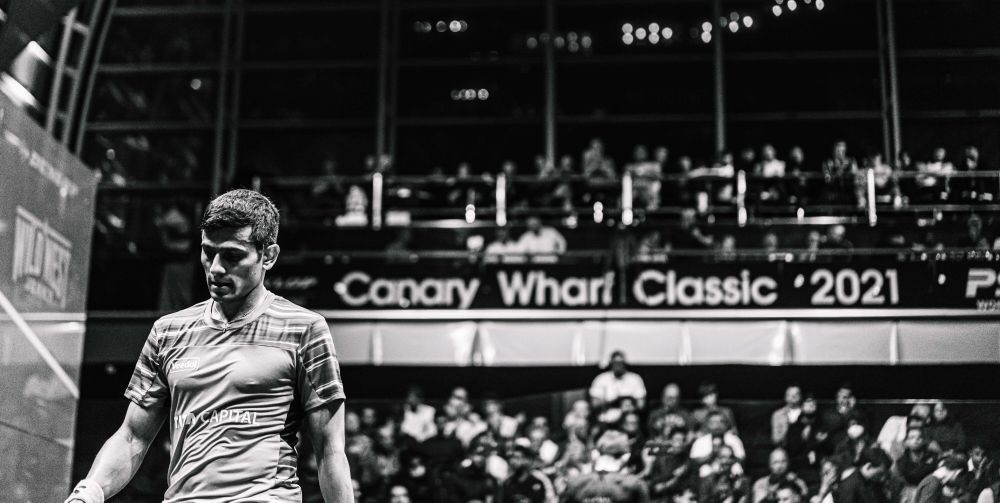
x=616 y=446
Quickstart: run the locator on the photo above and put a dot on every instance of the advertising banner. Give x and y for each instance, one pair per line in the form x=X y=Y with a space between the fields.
x=461 y=284
x=46 y=219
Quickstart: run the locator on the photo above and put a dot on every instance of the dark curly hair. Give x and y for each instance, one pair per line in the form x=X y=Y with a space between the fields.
x=240 y=208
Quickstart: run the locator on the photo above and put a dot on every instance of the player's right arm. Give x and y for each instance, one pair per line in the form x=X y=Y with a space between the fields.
x=119 y=459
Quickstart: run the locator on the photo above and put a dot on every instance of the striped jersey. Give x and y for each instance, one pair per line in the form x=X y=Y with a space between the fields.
x=237 y=394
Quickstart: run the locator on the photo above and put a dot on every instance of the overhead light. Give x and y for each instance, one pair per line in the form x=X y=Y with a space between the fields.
x=627 y=39
x=654 y=27
x=777 y=10
x=667 y=33
x=627 y=28
x=640 y=33
x=706 y=27
x=747 y=21
x=820 y=4
x=792 y=5
x=734 y=26
x=654 y=38
x=706 y=37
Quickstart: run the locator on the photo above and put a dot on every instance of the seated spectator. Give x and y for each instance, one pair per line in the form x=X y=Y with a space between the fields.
x=503 y=243
x=722 y=479
x=907 y=172
x=646 y=184
x=766 y=488
x=814 y=242
x=863 y=481
x=617 y=382
x=974 y=188
x=443 y=450
x=932 y=488
x=857 y=441
x=886 y=188
x=466 y=188
x=789 y=492
x=525 y=484
x=599 y=171
x=710 y=403
x=974 y=238
x=677 y=191
x=787 y=414
x=982 y=470
x=541 y=239
x=670 y=414
x=416 y=478
x=357 y=445
x=327 y=190
x=607 y=481
x=399 y=494
x=579 y=414
x=651 y=244
x=575 y=450
x=944 y=433
x=770 y=191
x=502 y=425
x=667 y=466
x=418 y=418
x=546 y=450
x=836 y=238
x=840 y=173
x=802 y=189
x=916 y=463
x=462 y=422
x=716 y=434
x=934 y=177
x=355 y=208
x=802 y=440
x=470 y=481
x=836 y=421
x=892 y=437
x=727 y=249
x=770 y=242
x=689 y=236
x=383 y=465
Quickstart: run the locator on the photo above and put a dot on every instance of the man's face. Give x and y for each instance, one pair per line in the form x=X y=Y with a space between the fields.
x=491 y=407
x=940 y=411
x=797 y=155
x=768 y=152
x=671 y=395
x=786 y=495
x=840 y=150
x=618 y=365
x=631 y=424
x=233 y=265
x=678 y=440
x=778 y=463
x=518 y=461
x=845 y=399
x=352 y=423
x=715 y=425
x=793 y=395
x=939 y=154
x=534 y=224
x=914 y=440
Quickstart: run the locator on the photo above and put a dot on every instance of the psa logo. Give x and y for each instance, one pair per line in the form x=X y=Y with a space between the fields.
x=981 y=278
x=183 y=365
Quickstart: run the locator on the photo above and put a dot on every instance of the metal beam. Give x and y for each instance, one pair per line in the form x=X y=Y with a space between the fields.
x=234 y=111
x=91 y=69
x=55 y=92
x=381 y=95
x=718 y=79
x=890 y=32
x=220 y=106
x=550 y=82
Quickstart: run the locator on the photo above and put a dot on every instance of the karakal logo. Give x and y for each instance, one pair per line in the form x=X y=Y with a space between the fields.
x=41 y=258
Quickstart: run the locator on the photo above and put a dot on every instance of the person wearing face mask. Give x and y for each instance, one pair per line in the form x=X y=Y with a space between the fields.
x=617 y=382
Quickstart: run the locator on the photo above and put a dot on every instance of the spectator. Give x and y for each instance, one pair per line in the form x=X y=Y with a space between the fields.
x=931 y=488
x=576 y=450
x=892 y=437
x=886 y=187
x=863 y=482
x=546 y=450
x=934 y=177
x=651 y=244
x=837 y=421
x=541 y=239
x=690 y=236
x=770 y=242
x=418 y=418
x=617 y=382
x=416 y=477
x=727 y=249
x=857 y=440
x=327 y=190
x=982 y=470
x=355 y=208
x=766 y=488
x=723 y=479
x=646 y=176
x=357 y=445
x=462 y=421
x=840 y=172
x=525 y=484
x=579 y=414
x=607 y=481
x=470 y=481
x=177 y=279
x=710 y=403
x=441 y=451
x=789 y=492
x=503 y=243
x=802 y=189
x=814 y=241
x=465 y=187
x=803 y=437
x=383 y=465
x=944 y=433
x=907 y=172
x=788 y=414
x=670 y=414
x=595 y=164
x=502 y=425
x=974 y=188
x=836 y=238
x=399 y=494
x=676 y=189
x=667 y=466
x=370 y=421
x=974 y=238
x=916 y=463
x=771 y=191
x=715 y=435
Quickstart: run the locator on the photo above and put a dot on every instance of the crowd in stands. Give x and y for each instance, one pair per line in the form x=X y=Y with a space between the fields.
x=617 y=446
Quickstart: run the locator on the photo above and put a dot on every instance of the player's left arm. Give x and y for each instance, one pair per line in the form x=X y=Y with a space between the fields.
x=326 y=428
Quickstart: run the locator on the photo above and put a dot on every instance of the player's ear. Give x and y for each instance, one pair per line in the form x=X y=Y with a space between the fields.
x=271 y=256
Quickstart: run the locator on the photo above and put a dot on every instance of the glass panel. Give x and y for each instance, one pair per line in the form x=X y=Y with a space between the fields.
x=163 y=39
x=635 y=88
x=515 y=91
x=922 y=24
x=153 y=156
x=303 y=152
x=152 y=97
x=426 y=149
x=942 y=84
x=469 y=31
x=312 y=94
x=311 y=35
x=778 y=86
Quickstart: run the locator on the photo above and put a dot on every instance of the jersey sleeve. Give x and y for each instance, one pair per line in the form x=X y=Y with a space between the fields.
x=319 y=372
x=148 y=385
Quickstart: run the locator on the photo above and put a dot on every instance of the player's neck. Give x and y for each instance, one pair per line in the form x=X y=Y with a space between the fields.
x=234 y=311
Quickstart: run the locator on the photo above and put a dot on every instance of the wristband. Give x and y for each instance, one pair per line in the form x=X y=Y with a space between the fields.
x=87 y=491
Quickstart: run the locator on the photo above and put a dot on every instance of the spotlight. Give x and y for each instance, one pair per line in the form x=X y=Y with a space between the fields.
x=706 y=37
x=586 y=42
x=734 y=16
x=627 y=28
x=532 y=43
x=667 y=33
x=454 y=26
x=462 y=25
x=820 y=4
x=484 y=94
x=654 y=27
x=747 y=21
x=441 y=26
x=196 y=84
x=776 y=10
x=734 y=26
x=654 y=38
x=627 y=39
x=640 y=33
x=706 y=27
x=792 y=5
